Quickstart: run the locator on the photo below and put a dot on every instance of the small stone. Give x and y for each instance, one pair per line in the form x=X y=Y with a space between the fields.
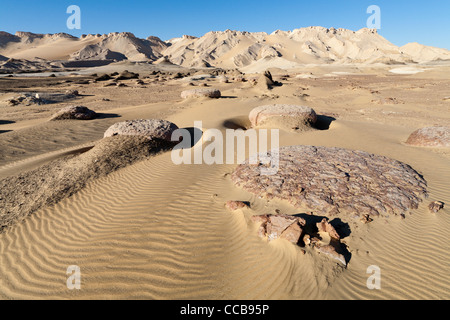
x=436 y=206
x=290 y=117
x=280 y=226
x=366 y=219
x=325 y=226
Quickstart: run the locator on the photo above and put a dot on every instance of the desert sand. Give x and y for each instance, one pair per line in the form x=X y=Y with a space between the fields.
x=146 y=228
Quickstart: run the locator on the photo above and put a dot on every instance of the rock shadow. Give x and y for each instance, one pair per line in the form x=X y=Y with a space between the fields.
x=107 y=115
x=195 y=135
x=242 y=123
x=323 y=122
x=7 y=121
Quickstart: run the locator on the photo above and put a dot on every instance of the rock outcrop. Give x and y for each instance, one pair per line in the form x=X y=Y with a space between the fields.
x=290 y=117
x=335 y=181
x=151 y=128
x=200 y=93
x=297 y=231
x=74 y=113
x=430 y=137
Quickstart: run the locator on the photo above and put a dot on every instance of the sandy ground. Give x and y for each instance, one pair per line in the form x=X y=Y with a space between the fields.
x=159 y=230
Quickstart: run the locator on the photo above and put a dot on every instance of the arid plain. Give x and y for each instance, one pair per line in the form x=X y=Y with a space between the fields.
x=140 y=226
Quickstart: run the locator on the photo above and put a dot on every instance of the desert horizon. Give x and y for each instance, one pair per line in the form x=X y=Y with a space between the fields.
x=311 y=164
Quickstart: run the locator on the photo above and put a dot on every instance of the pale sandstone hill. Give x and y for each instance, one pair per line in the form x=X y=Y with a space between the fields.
x=421 y=53
x=248 y=51
x=125 y=45
x=285 y=49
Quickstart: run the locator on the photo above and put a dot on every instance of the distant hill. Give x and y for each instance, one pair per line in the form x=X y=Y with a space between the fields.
x=248 y=51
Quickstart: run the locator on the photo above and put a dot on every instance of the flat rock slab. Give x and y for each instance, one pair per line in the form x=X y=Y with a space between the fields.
x=74 y=113
x=274 y=227
x=199 y=93
x=150 y=128
x=333 y=181
x=430 y=137
x=291 y=117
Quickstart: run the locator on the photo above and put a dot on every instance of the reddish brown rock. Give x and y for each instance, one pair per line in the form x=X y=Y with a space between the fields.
x=280 y=226
x=331 y=252
x=336 y=181
x=436 y=206
x=430 y=137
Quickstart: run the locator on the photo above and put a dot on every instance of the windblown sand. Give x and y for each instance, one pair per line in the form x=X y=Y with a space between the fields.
x=161 y=231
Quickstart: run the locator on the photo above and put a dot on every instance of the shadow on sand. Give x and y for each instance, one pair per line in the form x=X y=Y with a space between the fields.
x=342 y=228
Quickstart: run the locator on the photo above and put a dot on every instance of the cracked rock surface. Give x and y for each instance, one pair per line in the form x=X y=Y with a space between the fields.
x=430 y=137
x=336 y=181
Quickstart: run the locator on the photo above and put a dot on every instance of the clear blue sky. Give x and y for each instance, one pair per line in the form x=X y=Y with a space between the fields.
x=402 y=21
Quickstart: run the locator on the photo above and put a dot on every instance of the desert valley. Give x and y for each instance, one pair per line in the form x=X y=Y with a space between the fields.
x=88 y=177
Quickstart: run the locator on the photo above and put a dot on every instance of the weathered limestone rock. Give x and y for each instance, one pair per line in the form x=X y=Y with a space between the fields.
x=199 y=93
x=150 y=128
x=436 y=206
x=280 y=226
x=430 y=137
x=335 y=181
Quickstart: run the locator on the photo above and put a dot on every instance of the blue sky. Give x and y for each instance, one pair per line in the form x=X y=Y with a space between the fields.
x=402 y=21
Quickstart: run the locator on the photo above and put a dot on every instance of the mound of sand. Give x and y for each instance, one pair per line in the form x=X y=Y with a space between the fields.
x=421 y=53
x=430 y=137
x=23 y=194
x=201 y=93
x=74 y=113
x=336 y=181
x=289 y=117
x=151 y=129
